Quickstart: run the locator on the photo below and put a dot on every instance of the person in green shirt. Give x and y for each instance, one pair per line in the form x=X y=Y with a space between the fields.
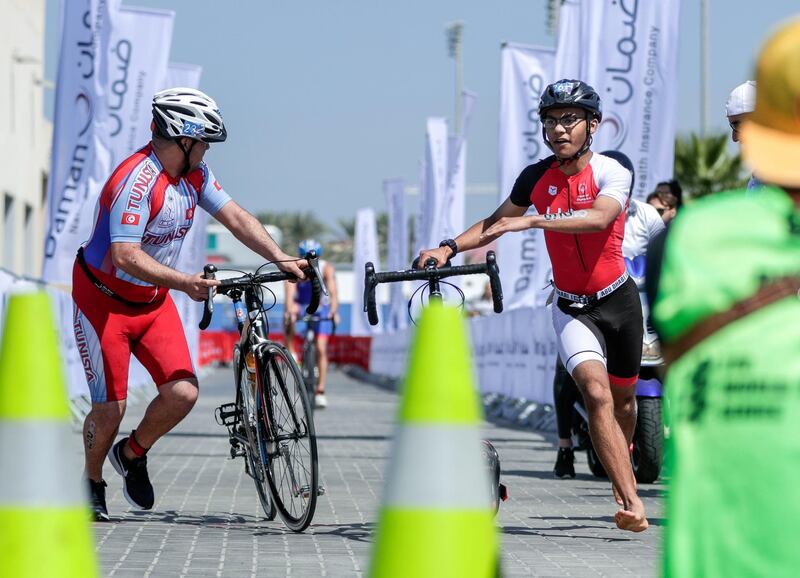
x=727 y=307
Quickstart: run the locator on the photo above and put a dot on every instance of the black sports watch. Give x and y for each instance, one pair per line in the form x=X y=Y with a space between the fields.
x=453 y=247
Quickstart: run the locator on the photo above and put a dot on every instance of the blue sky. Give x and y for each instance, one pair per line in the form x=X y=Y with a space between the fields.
x=323 y=99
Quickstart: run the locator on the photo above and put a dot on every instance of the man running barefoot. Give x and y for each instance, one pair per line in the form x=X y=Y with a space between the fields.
x=580 y=198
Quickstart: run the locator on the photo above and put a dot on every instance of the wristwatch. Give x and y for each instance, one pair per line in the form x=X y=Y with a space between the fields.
x=452 y=244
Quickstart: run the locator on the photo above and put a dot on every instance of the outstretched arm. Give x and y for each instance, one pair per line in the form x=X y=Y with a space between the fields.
x=475 y=237
x=593 y=220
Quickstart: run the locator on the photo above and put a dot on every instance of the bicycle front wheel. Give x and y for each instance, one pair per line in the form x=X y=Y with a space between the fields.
x=292 y=470
x=254 y=451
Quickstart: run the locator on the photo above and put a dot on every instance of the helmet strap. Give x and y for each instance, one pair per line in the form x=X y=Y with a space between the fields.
x=186 y=152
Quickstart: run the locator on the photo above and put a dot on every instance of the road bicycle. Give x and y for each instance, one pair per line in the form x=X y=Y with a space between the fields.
x=433 y=275
x=309 y=367
x=270 y=423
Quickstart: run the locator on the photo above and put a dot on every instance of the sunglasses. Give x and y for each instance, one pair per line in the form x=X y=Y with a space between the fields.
x=568 y=121
x=735 y=125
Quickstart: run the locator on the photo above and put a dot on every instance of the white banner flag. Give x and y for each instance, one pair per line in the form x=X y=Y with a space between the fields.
x=138 y=54
x=432 y=196
x=365 y=250
x=524 y=263
x=449 y=221
x=570 y=46
x=180 y=74
x=397 y=250
x=633 y=65
x=78 y=166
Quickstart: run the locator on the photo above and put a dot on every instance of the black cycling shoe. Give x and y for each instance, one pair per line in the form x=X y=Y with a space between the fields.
x=137 y=487
x=97 y=500
x=565 y=463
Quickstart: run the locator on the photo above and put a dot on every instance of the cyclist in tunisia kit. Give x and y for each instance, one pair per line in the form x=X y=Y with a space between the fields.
x=122 y=277
x=580 y=198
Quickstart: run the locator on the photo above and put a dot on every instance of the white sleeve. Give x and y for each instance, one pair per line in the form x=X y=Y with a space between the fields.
x=652 y=220
x=614 y=181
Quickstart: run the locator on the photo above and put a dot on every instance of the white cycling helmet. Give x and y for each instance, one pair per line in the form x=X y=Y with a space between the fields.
x=186 y=112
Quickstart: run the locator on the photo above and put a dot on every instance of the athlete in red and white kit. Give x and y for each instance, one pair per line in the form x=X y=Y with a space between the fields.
x=122 y=277
x=580 y=199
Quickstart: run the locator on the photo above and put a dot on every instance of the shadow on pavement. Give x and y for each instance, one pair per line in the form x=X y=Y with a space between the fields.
x=610 y=519
x=188 y=434
x=549 y=531
x=548 y=475
x=365 y=438
x=359 y=532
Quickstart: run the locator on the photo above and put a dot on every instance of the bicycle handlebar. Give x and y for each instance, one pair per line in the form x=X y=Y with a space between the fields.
x=430 y=272
x=318 y=287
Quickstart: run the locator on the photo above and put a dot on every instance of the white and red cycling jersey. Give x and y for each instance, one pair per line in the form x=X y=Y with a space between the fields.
x=596 y=315
x=141 y=203
x=585 y=263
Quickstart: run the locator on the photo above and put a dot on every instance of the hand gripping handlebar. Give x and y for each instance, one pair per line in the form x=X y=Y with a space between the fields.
x=313 y=273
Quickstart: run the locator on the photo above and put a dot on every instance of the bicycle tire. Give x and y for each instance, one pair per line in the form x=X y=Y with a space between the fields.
x=309 y=370
x=292 y=466
x=254 y=453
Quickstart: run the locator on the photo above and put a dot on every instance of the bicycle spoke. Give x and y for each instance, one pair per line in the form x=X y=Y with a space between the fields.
x=293 y=459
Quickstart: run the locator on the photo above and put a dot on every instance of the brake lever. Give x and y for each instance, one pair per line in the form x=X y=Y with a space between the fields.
x=313 y=262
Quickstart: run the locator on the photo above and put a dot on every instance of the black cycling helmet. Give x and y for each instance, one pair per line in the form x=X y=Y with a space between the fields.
x=565 y=93
x=568 y=93
x=623 y=159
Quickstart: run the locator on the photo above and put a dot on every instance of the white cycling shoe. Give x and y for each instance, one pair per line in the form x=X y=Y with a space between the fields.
x=320 y=401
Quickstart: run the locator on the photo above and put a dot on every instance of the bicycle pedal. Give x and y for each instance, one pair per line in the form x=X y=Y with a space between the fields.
x=227 y=414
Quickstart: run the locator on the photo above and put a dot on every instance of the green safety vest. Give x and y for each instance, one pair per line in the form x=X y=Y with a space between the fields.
x=733 y=401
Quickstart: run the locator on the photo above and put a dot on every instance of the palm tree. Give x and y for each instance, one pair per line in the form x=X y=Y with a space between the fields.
x=348 y=226
x=295 y=226
x=703 y=165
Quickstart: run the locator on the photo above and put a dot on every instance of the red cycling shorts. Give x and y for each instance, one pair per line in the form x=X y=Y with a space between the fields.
x=107 y=332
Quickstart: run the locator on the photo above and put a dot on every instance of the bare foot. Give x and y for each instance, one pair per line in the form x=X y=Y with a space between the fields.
x=633 y=520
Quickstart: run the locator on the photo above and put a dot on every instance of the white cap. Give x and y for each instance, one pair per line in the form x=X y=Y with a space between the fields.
x=742 y=99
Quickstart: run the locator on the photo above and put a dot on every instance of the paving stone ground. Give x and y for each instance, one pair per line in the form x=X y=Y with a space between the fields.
x=206 y=520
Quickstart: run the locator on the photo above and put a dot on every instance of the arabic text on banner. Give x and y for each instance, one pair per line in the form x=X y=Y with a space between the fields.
x=634 y=67
x=524 y=264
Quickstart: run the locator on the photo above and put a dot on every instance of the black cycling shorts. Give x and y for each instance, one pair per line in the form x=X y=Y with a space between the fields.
x=609 y=330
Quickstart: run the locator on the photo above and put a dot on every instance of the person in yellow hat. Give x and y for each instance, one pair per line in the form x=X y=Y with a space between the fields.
x=727 y=307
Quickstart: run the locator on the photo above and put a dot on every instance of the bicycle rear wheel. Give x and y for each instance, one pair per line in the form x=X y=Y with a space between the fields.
x=292 y=469
x=254 y=452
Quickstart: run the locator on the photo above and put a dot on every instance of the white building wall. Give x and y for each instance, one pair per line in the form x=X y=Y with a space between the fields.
x=24 y=136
